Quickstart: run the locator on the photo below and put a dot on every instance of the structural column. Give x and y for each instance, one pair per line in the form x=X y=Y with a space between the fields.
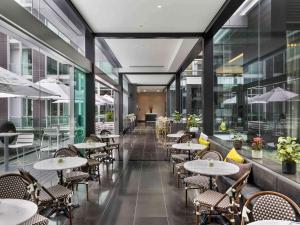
x=178 y=93
x=208 y=87
x=121 y=103
x=90 y=85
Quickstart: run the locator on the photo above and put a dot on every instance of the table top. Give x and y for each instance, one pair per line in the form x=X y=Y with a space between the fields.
x=56 y=164
x=219 y=168
x=91 y=145
x=109 y=136
x=8 y=134
x=273 y=222
x=175 y=135
x=16 y=211
x=189 y=146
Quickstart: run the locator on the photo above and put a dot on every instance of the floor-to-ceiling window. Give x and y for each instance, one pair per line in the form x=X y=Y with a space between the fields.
x=257 y=52
x=46 y=104
x=105 y=113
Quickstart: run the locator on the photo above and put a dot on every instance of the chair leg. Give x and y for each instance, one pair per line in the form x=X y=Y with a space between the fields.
x=173 y=168
x=87 y=190
x=178 y=179
x=98 y=171
x=197 y=215
x=70 y=214
x=186 y=194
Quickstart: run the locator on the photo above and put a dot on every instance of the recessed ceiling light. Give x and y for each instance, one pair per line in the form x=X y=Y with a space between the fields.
x=144 y=90
x=159 y=6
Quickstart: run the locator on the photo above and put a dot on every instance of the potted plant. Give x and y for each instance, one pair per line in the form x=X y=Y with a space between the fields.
x=151 y=108
x=289 y=153
x=193 y=123
x=109 y=117
x=257 y=147
x=177 y=116
x=237 y=141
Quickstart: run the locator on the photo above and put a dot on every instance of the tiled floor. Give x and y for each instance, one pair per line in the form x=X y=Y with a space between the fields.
x=140 y=190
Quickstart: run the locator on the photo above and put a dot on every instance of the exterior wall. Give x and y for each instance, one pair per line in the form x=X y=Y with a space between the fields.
x=3 y=64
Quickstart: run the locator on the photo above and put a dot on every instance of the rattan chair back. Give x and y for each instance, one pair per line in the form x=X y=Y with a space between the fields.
x=269 y=205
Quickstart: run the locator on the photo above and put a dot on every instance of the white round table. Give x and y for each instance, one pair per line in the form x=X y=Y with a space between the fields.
x=16 y=211
x=218 y=168
x=108 y=136
x=60 y=164
x=190 y=147
x=90 y=146
x=273 y=222
x=175 y=135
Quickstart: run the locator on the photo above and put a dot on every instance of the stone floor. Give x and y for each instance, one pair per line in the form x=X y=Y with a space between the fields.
x=138 y=190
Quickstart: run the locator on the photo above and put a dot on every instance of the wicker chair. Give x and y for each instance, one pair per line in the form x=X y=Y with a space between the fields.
x=228 y=204
x=56 y=198
x=93 y=165
x=101 y=154
x=168 y=144
x=269 y=205
x=112 y=144
x=178 y=157
x=199 y=181
x=15 y=186
x=75 y=176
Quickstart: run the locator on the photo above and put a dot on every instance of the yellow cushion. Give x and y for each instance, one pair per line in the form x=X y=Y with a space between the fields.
x=235 y=156
x=203 y=141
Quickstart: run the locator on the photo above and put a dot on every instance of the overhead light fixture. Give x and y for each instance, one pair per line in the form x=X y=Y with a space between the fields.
x=236 y=58
x=144 y=90
x=157 y=90
x=159 y=6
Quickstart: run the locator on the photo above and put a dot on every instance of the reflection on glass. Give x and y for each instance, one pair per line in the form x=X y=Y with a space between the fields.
x=255 y=52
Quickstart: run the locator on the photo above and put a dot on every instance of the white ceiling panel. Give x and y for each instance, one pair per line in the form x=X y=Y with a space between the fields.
x=148 y=16
x=150 y=55
x=148 y=79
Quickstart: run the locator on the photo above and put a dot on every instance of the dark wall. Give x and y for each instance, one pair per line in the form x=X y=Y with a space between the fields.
x=132 y=98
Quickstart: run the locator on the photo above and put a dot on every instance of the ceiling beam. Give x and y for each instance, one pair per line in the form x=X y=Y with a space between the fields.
x=227 y=10
x=198 y=47
x=148 y=35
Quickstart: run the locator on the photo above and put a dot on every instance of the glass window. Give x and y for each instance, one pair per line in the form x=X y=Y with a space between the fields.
x=51 y=66
x=257 y=52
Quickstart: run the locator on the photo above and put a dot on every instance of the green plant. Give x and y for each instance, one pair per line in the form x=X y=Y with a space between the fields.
x=237 y=137
x=193 y=121
x=177 y=116
x=288 y=149
x=257 y=143
x=109 y=116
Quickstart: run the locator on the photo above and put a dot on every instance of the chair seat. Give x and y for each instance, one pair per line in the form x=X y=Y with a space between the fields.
x=99 y=155
x=169 y=144
x=180 y=165
x=58 y=191
x=20 y=145
x=198 y=180
x=113 y=145
x=75 y=176
x=93 y=162
x=210 y=198
x=37 y=219
x=180 y=157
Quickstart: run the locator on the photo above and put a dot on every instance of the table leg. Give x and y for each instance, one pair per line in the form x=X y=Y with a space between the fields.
x=61 y=178
x=189 y=154
x=210 y=182
x=6 y=154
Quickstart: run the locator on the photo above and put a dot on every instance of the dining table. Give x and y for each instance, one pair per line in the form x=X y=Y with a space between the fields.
x=89 y=146
x=6 y=136
x=16 y=211
x=60 y=164
x=190 y=147
x=211 y=168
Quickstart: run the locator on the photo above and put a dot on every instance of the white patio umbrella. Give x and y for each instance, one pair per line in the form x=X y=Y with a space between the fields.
x=233 y=101
x=61 y=90
x=7 y=95
x=275 y=95
x=108 y=98
x=11 y=83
